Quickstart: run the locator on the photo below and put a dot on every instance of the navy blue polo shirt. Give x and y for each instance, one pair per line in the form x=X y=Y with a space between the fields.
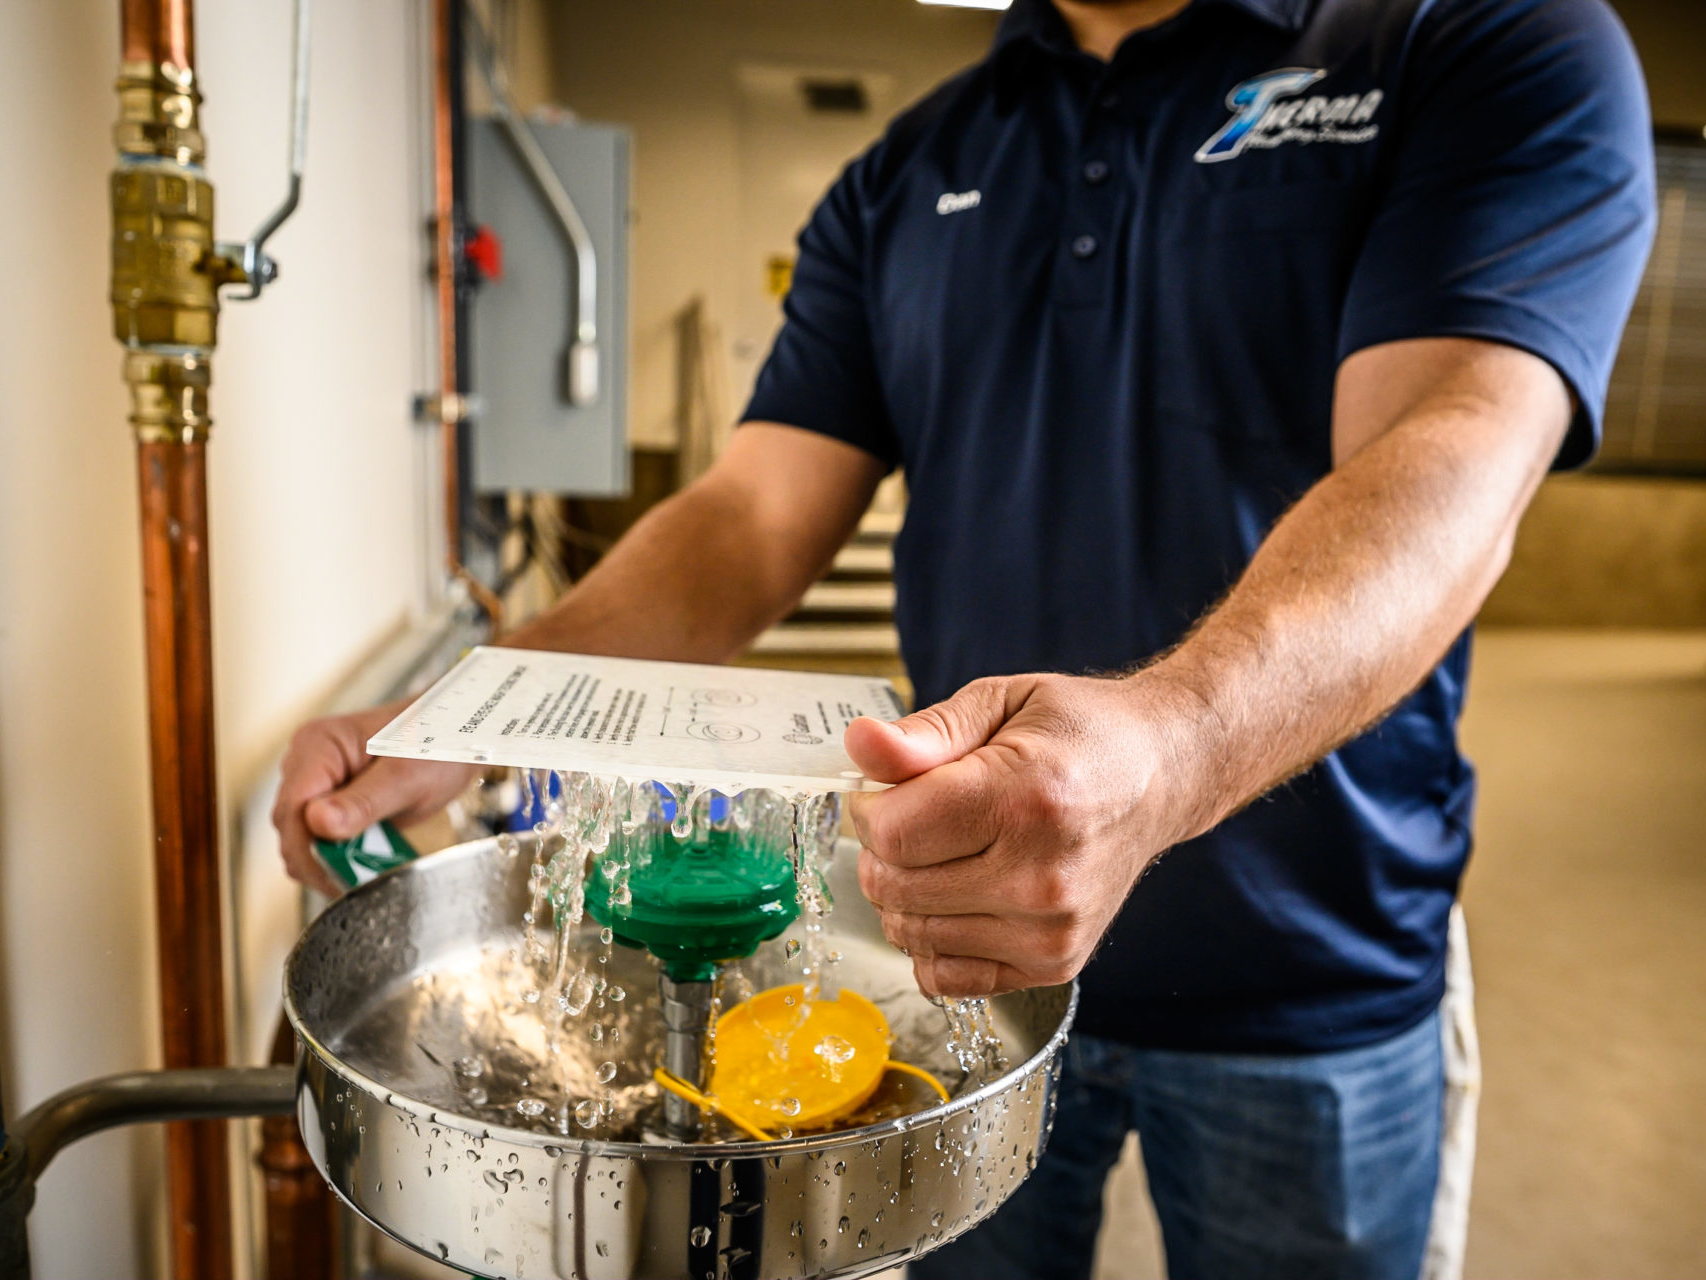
x=1095 y=311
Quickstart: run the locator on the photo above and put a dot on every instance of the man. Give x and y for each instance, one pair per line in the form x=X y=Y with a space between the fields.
x=1223 y=345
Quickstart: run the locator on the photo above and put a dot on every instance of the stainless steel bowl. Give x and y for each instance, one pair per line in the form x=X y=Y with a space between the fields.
x=393 y=980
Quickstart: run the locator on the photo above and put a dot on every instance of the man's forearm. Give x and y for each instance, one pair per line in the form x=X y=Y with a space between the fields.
x=1357 y=592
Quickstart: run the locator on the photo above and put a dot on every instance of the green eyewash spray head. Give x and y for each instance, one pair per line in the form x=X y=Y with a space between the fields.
x=699 y=899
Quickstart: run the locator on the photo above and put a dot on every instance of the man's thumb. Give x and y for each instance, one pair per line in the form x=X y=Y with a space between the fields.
x=895 y=751
x=374 y=793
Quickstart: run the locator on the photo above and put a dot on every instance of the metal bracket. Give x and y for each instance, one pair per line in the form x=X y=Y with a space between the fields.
x=581 y=366
x=429 y=408
x=245 y=263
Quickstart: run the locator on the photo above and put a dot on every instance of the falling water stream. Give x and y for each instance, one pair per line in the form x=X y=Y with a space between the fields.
x=558 y=1033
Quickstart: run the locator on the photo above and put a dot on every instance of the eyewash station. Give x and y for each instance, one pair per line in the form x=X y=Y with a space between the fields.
x=659 y=1033
x=652 y=1029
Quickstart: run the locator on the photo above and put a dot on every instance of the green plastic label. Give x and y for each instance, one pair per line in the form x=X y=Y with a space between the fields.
x=375 y=851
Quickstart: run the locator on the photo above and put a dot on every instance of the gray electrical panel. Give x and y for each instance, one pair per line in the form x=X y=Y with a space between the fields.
x=526 y=433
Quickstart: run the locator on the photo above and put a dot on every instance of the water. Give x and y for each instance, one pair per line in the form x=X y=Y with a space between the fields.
x=835 y=1054
x=972 y=1039
x=557 y=1029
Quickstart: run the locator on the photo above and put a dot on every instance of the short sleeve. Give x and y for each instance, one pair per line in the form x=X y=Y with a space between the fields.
x=821 y=373
x=1520 y=205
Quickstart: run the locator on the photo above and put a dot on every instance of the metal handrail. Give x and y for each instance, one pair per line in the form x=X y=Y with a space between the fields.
x=144 y=1097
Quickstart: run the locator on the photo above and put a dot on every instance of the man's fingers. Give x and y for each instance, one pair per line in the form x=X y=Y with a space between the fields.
x=924 y=937
x=306 y=868
x=934 y=735
x=951 y=812
x=965 y=886
x=381 y=790
x=963 y=977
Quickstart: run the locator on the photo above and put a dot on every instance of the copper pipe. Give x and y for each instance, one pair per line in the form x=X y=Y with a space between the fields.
x=164 y=295
x=451 y=405
x=159 y=32
x=301 y=1214
x=173 y=483
x=444 y=226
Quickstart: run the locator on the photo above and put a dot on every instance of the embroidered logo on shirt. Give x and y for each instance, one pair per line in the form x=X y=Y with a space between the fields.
x=958 y=201
x=1268 y=112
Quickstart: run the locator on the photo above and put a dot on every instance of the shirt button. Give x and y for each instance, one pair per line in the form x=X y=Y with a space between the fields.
x=1096 y=171
x=1083 y=246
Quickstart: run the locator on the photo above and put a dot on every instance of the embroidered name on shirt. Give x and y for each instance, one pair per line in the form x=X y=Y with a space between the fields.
x=1268 y=112
x=958 y=201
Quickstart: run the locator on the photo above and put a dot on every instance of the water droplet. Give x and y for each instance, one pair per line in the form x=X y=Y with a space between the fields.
x=792 y=948
x=840 y=1167
x=843 y=1225
x=834 y=1050
x=493 y=1257
x=495 y=1180
x=789 y=1106
x=602 y=1248
x=606 y=1072
x=586 y=1113
x=578 y=994
x=606 y=935
x=700 y=1236
x=532 y=1108
x=615 y=993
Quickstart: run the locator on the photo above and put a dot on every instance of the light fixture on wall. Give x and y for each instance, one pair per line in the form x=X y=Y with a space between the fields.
x=971 y=4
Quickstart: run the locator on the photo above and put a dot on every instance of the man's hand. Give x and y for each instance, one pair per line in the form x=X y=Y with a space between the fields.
x=332 y=789
x=1026 y=809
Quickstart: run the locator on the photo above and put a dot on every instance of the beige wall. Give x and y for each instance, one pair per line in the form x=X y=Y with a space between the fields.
x=670 y=70
x=318 y=538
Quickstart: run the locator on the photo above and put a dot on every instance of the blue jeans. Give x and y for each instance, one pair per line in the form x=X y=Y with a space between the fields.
x=1317 y=1167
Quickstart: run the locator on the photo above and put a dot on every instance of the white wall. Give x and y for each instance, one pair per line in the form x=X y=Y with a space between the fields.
x=318 y=536
x=671 y=70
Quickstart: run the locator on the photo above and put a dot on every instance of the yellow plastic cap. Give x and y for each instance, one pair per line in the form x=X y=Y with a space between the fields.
x=780 y=1063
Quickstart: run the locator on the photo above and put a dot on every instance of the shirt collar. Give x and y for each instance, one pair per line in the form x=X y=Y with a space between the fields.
x=1033 y=24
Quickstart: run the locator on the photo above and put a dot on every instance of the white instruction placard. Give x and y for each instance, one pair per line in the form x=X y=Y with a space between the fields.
x=727 y=727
